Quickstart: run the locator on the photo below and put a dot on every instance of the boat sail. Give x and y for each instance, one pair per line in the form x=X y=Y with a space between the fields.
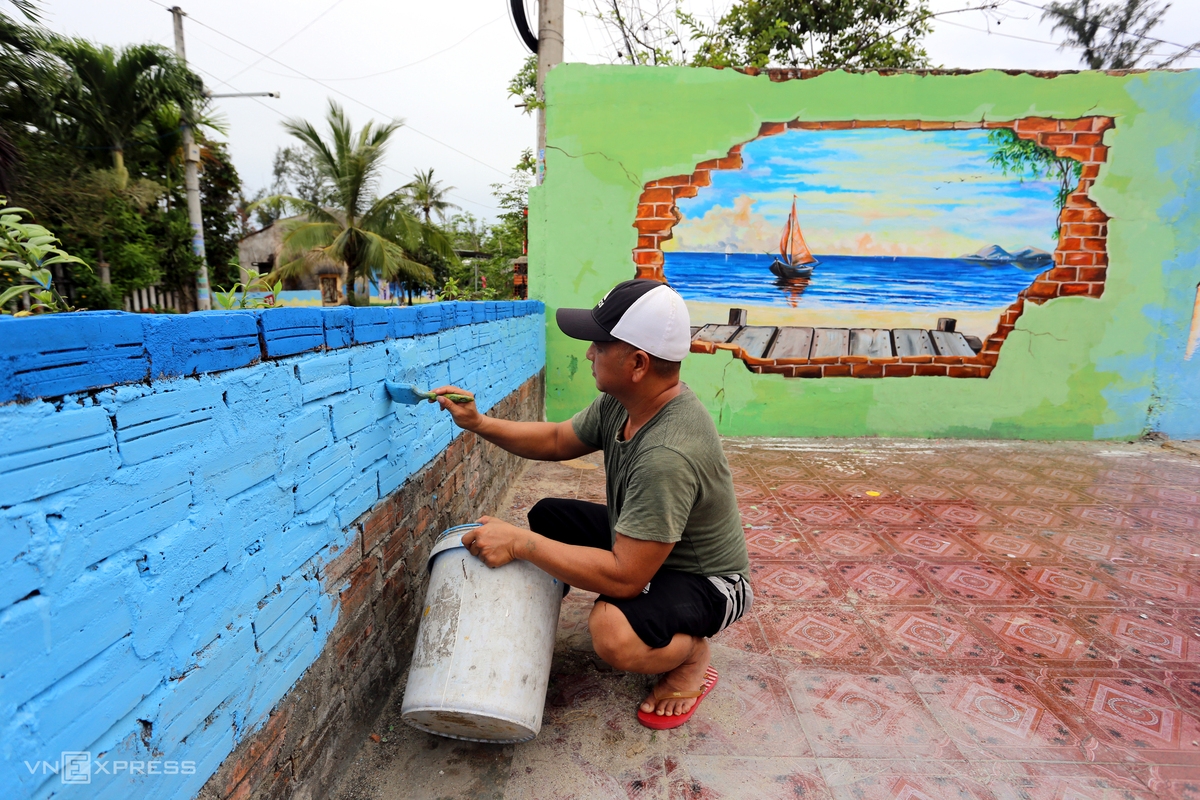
x=795 y=259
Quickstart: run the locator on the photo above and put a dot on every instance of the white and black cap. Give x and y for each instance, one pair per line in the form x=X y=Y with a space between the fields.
x=647 y=314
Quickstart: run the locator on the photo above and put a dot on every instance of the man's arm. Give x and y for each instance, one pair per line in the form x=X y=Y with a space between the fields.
x=622 y=572
x=542 y=441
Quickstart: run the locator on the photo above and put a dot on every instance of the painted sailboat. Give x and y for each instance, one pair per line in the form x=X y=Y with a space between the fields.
x=795 y=259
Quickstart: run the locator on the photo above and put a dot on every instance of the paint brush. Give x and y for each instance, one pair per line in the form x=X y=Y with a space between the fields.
x=408 y=395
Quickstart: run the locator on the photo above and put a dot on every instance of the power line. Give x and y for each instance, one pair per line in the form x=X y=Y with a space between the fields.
x=293 y=36
x=1184 y=47
x=991 y=32
x=283 y=116
x=420 y=60
x=338 y=91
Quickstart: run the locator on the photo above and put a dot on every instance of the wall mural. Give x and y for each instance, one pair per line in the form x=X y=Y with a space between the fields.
x=879 y=249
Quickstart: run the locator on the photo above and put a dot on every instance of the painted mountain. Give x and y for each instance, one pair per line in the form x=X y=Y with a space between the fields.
x=1025 y=258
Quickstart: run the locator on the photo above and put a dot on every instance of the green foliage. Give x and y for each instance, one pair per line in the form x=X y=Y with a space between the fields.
x=177 y=263
x=109 y=94
x=1111 y=35
x=95 y=135
x=294 y=173
x=31 y=250
x=644 y=32
x=523 y=86
x=219 y=191
x=1028 y=160
x=239 y=295
x=816 y=34
x=452 y=291
x=375 y=237
x=427 y=196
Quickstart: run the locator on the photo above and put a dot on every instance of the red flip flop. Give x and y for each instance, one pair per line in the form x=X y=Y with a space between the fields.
x=661 y=722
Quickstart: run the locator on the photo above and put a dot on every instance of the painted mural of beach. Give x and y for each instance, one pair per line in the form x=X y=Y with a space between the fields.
x=850 y=291
x=905 y=226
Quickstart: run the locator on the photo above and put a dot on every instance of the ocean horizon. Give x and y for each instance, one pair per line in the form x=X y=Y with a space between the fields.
x=863 y=282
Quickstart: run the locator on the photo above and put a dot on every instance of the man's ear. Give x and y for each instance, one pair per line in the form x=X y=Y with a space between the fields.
x=641 y=365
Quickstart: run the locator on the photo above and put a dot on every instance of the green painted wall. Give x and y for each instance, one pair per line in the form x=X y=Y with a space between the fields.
x=1077 y=368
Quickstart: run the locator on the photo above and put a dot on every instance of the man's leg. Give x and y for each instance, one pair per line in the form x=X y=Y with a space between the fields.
x=684 y=659
x=574 y=522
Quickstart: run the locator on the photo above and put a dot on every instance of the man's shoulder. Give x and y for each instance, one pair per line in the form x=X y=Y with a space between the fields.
x=687 y=415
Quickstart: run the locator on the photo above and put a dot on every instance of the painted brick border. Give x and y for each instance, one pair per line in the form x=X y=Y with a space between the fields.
x=379 y=581
x=1080 y=259
x=53 y=355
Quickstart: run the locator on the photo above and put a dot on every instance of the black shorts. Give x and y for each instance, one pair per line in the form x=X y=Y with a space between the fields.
x=673 y=602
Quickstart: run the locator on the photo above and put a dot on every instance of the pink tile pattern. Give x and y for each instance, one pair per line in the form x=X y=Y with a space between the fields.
x=975 y=620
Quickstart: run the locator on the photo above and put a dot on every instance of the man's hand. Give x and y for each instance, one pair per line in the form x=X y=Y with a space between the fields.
x=496 y=542
x=465 y=415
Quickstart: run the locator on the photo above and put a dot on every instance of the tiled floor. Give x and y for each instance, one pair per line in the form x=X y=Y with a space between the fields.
x=933 y=620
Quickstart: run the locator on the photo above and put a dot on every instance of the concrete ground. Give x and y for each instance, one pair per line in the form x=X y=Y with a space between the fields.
x=933 y=619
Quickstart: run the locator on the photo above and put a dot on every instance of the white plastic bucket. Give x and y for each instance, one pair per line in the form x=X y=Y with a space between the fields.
x=482 y=659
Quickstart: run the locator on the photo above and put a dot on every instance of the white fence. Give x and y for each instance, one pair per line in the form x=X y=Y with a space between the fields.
x=146 y=299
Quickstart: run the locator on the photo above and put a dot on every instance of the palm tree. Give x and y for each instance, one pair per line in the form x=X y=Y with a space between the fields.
x=373 y=236
x=109 y=94
x=428 y=196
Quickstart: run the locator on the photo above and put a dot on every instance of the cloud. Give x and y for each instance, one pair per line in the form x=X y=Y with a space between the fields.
x=870 y=192
x=738 y=229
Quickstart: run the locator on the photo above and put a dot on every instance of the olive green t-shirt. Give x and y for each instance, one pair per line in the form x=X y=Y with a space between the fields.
x=670 y=483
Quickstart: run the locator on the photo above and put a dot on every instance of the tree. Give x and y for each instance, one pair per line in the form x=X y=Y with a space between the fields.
x=110 y=94
x=219 y=191
x=375 y=237
x=506 y=239
x=1112 y=36
x=94 y=149
x=647 y=32
x=1028 y=160
x=294 y=173
x=26 y=81
x=428 y=196
x=816 y=34
x=523 y=86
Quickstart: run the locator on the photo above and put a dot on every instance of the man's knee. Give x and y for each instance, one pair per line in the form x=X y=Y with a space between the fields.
x=613 y=638
x=541 y=516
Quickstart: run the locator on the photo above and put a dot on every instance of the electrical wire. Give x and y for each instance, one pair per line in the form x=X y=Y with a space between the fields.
x=1184 y=47
x=393 y=69
x=337 y=91
x=990 y=32
x=420 y=60
x=293 y=36
x=283 y=116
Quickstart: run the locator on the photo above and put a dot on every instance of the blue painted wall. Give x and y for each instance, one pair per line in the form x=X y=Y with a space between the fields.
x=162 y=542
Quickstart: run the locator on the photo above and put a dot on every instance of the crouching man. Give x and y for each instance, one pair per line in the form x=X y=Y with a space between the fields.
x=666 y=553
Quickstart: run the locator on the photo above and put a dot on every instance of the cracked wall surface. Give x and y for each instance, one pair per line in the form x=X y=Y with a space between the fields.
x=1104 y=359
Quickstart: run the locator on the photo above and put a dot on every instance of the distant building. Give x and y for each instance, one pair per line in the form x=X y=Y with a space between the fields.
x=258 y=254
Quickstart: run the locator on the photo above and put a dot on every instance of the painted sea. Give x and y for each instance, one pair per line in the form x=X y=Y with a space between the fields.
x=874 y=282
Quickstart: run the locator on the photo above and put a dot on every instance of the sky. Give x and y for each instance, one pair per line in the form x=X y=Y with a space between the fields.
x=877 y=192
x=443 y=67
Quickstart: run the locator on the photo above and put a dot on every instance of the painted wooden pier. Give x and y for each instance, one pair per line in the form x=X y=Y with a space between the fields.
x=803 y=352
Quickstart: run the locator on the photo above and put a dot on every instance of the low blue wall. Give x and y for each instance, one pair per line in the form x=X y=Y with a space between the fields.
x=162 y=540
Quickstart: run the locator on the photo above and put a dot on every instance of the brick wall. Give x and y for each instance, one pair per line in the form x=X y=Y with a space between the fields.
x=1080 y=259
x=177 y=552
x=379 y=579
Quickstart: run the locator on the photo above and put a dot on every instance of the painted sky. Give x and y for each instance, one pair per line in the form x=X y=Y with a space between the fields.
x=870 y=192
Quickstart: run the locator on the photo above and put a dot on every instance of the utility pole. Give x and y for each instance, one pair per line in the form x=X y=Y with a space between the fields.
x=191 y=179
x=549 y=53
